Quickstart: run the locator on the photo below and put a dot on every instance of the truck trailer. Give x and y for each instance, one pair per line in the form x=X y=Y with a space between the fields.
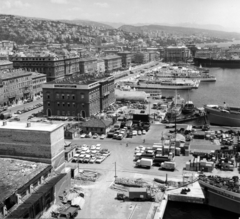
x=136 y=194
x=144 y=162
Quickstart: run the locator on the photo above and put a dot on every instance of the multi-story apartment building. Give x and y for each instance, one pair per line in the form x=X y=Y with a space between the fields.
x=55 y=67
x=38 y=80
x=17 y=85
x=112 y=63
x=176 y=54
x=100 y=66
x=5 y=65
x=126 y=58
x=78 y=95
x=88 y=65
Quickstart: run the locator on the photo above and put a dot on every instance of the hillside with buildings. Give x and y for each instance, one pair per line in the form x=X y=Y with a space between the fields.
x=181 y=31
x=27 y=30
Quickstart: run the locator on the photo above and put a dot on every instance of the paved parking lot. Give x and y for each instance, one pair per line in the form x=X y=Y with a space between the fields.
x=100 y=198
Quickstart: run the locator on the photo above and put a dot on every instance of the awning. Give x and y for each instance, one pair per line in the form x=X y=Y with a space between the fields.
x=30 y=201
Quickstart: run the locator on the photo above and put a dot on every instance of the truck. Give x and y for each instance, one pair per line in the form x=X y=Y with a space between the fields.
x=136 y=194
x=168 y=165
x=144 y=162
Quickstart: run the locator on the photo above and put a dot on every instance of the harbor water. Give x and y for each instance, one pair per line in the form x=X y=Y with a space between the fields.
x=225 y=89
x=180 y=210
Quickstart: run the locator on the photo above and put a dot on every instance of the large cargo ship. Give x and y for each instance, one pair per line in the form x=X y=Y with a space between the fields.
x=223 y=63
x=221 y=192
x=218 y=115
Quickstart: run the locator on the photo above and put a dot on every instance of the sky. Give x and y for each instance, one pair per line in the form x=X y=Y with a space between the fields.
x=215 y=12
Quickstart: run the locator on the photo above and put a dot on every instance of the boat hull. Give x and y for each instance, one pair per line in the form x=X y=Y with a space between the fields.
x=165 y=87
x=220 y=198
x=217 y=63
x=218 y=117
x=202 y=79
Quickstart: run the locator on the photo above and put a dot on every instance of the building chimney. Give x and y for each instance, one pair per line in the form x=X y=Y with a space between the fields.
x=4 y=123
x=28 y=124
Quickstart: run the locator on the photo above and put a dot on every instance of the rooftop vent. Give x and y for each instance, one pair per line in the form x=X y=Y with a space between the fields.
x=28 y=124
x=4 y=123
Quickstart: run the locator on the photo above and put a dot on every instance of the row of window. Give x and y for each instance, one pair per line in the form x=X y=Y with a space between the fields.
x=69 y=113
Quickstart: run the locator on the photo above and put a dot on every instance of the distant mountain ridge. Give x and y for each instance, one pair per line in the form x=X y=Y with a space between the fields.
x=87 y=23
x=180 y=30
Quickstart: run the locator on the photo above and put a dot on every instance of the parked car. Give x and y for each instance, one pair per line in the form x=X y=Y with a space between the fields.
x=87 y=158
x=92 y=160
x=99 y=159
x=102 y=137
x=95 y=136
x=144 y=132
x=83 y=135
x=81 y=158
x=139 y=132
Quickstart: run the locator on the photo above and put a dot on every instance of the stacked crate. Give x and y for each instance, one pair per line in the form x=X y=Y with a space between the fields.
x=198 y=165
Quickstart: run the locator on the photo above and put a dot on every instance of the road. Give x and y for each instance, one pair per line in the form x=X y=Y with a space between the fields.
x=23 y=117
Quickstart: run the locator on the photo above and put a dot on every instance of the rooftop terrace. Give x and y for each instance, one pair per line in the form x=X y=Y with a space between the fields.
x=80 y=79
x=16 y=173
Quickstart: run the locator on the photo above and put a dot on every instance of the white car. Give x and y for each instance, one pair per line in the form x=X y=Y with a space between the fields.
x=102 y=137
x=139 y=132
x=144 y=132
x=93 y=152
x=134 y=133
x=93 y=147
x=98 y=145
x=99 y=159
x=98 y=148
x=93 y=160
x=83 y=135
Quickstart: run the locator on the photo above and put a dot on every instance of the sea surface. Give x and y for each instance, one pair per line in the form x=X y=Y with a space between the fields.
x=225 y=89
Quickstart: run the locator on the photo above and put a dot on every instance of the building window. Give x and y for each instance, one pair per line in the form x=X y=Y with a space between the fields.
x=68 y=113
x=68 y=104
x=58 y=112
x=57 y=96
x=73 y=97
x=82 y=96
x=63 y=96
x=63 y=104
x=74 y=104
x=48 y=96
x=63 y=113
x=82 y=104
x=58 y=104
x=68 y=96
x=48 y=103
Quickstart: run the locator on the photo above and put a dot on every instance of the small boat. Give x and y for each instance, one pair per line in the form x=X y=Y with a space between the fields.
x=188 y=107
x=218 y=115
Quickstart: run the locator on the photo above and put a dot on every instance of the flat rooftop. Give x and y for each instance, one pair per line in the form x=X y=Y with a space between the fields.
x=45 y=127
x=16 y=173
x=16 y=73
x=5 y=62
x=80 y=79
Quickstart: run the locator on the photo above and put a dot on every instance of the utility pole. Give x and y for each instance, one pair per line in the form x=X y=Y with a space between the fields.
x=115 y=170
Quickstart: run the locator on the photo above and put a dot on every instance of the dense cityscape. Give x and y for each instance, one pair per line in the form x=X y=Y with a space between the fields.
x=106 y=122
